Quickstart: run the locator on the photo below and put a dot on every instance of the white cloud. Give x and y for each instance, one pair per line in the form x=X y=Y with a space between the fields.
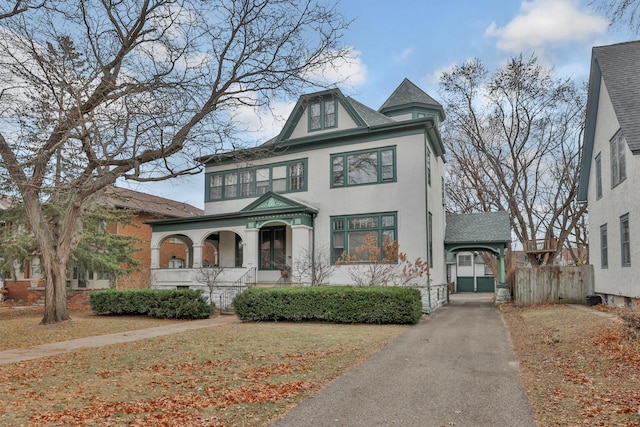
x=544 y=22
x=404 y=54
x=434 y=76
x=346 y=72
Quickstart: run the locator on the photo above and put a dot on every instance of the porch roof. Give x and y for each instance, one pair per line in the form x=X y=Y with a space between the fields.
x=268 y=205
x=476 y=230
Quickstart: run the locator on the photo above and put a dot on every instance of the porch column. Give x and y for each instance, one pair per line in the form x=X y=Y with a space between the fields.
x=301 y=246
x=250 y=250
x=197 y=256
x=502 y=278
x=503 y=293
x=155 y=257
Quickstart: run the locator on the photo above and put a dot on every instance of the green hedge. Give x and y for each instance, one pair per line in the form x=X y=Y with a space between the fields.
x=339 y=304
x=160 y=303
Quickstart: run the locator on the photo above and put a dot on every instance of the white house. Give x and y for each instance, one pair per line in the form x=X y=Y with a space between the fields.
x=337 y=172
x=610 y=171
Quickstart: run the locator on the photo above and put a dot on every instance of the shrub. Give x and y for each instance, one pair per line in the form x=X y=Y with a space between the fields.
x=339 y=304
x=160 y=303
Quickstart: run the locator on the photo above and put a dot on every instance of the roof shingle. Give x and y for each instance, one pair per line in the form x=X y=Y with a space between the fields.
x=478 y=227
x=619 y=67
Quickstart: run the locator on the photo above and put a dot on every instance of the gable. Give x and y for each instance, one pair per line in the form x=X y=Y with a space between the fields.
x=614 y=67
x=299 y=125
x=276 y=202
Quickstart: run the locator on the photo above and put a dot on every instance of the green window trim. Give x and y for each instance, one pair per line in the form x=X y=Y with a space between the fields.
x=322 y=115
x=625 y=241
x=598 y=171
x=364 y=167
x=604 y=247
x=349 y=231
x=283 y=177
x=618 y=165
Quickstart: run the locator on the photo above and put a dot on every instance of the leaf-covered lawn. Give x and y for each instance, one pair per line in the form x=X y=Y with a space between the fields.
x=580 y=368
x=20 y=326
x=234 y=375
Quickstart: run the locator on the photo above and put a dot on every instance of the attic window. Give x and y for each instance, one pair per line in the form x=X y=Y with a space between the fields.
x=323 y=115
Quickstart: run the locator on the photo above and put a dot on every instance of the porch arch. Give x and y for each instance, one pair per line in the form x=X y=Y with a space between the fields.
x=175 y=251
x=483 y=231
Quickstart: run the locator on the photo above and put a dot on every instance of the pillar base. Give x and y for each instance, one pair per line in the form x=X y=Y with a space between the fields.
x=503 y=294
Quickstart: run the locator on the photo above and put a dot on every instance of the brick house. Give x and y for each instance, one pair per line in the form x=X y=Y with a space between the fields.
x=25 y=282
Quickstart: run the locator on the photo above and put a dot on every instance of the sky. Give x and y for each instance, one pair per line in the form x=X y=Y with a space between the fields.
x=420 y=39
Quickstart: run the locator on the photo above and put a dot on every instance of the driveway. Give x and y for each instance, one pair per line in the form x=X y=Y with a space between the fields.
x=456 y=368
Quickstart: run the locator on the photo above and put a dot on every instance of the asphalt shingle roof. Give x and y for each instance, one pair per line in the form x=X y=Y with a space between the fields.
x=130 y=199
x=478 y=227
x=369 y=115
x=619 y=67
x=408 y=93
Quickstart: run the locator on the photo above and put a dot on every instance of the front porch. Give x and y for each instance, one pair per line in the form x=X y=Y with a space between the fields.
x=261 y=244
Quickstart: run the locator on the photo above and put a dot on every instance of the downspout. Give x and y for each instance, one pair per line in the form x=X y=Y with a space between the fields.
x=313 y=247
x=426 y=213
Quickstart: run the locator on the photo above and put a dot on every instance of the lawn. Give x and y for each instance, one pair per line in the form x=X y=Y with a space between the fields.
x=246 y=374
x=580 y=368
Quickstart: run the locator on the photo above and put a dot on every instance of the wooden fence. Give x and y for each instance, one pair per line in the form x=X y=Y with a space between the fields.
x=553 y=284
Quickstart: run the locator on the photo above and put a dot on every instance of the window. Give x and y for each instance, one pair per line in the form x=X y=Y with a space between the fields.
x=465 y=260
x=262 y=181
x=618 y=166
x=272 y=248
x=246 y=183
x=176 y=263
x=215 y=191
x=231 y=185
x=296 y=176
x=323 y=115
x=252 y=182
x=598 y=177
x=349 y=233
x=604 y=247
x=363 y=167
x=625 y=240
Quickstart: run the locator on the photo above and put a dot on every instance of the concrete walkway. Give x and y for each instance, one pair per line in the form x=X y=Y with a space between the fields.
x=456 y=368
x=45 y=350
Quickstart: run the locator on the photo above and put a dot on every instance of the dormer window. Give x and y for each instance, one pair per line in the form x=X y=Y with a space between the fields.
x=323 y=115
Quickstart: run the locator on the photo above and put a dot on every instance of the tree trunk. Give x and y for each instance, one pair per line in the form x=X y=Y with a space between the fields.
x=55 y=305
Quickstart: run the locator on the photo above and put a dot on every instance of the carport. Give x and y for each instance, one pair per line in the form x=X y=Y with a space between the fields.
x=479 y=232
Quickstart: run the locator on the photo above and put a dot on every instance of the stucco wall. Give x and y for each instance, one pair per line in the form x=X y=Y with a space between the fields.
x=405 y=196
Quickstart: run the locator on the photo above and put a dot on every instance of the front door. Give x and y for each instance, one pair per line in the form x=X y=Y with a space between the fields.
x=272 y=248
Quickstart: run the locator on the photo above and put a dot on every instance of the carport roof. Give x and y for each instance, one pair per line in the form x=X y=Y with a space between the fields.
x=478 y=228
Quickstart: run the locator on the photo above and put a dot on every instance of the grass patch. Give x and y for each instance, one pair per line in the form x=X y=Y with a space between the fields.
x=247 y=374
x=20 y=327
x=579 y=368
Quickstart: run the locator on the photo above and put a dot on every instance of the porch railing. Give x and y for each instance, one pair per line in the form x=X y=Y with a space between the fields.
x=247 y=280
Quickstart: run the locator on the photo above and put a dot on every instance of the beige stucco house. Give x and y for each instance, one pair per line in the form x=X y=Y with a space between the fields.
x=337 y=172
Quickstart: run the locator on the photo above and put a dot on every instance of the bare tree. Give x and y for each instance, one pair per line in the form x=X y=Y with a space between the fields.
x=313 y=267
x=16 y=7
x=514 y=145
x=621 y=12
x=211 y=277
x=92 y=92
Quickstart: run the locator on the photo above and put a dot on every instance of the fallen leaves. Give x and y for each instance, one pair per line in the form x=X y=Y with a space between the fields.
x=237 y=375
x=579 y=368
